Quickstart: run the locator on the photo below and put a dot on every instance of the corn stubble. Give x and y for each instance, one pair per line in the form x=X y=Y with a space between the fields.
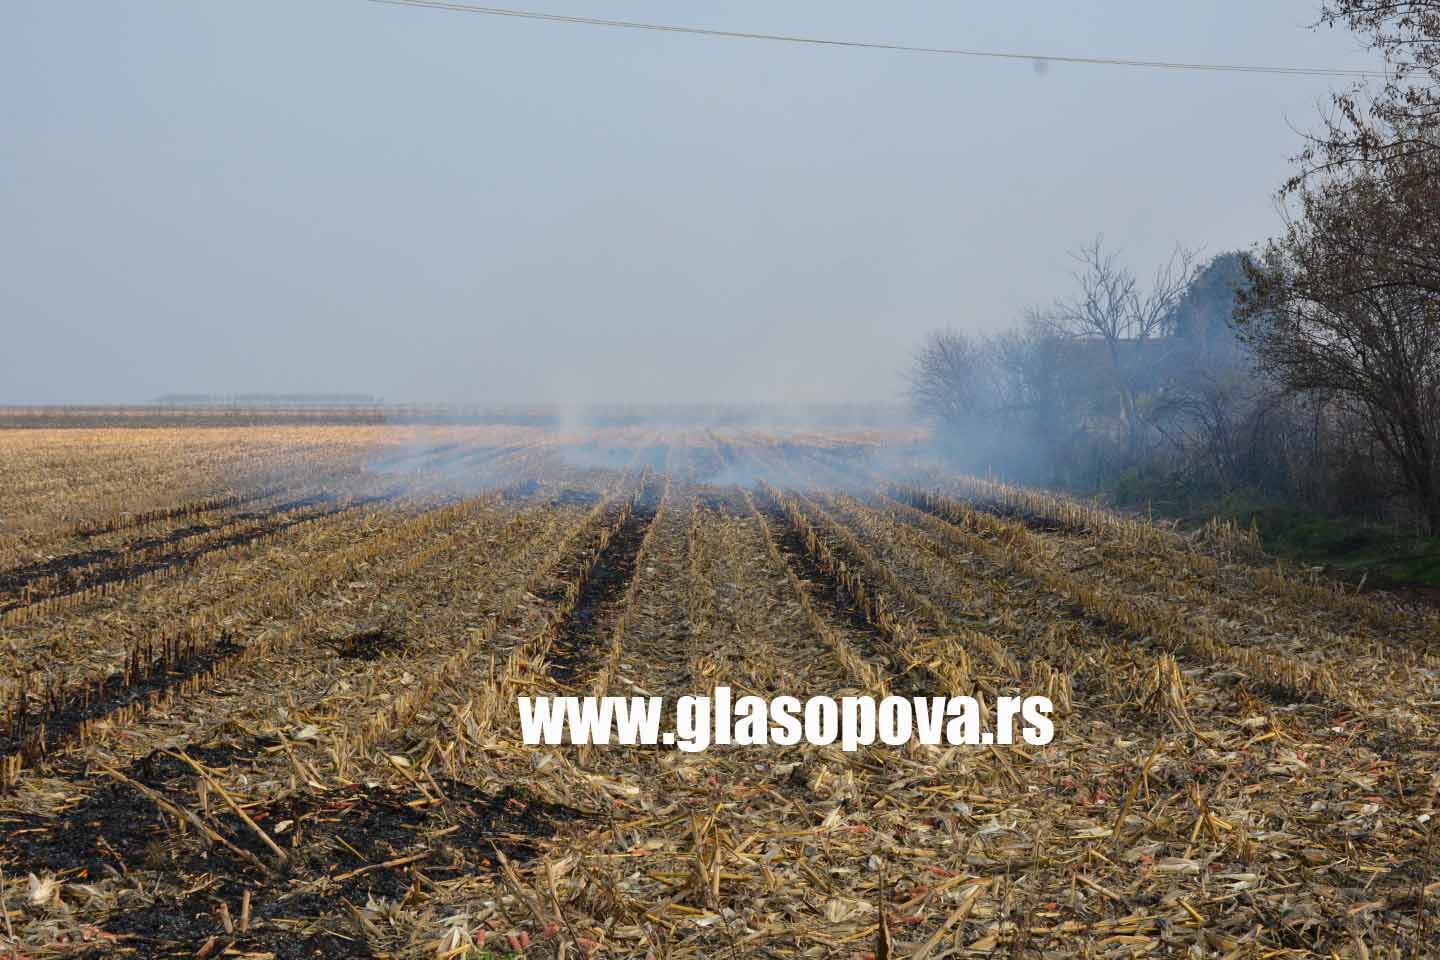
x=198 y=759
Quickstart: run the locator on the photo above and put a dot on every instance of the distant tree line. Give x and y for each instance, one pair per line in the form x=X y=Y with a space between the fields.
x=262 y=399
x=1129 y=387
x=1308 y=370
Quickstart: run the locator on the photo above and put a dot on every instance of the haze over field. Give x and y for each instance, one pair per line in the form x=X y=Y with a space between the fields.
x=377 y=371
x=336 y=195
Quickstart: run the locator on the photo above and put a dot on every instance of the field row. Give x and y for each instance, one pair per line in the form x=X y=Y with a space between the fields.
x=284 y=725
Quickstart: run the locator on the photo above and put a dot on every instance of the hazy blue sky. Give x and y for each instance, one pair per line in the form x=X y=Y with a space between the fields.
x=333 y=195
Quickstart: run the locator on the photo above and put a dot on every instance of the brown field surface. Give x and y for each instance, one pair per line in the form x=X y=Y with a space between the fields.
x=258 y=700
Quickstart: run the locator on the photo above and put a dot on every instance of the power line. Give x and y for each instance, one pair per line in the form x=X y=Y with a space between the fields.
x=1335 y=73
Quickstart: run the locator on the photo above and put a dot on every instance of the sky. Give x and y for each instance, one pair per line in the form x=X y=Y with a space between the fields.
x=340 y=196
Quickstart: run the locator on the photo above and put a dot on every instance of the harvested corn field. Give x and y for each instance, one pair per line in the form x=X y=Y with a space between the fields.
x=259 y=700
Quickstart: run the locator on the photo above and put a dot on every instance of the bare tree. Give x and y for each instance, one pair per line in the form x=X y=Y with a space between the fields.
x=1212 y=415
x=948 y=379
x=1118 y=320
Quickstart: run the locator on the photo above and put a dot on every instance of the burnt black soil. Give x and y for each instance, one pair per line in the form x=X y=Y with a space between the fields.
x=725 y=501
x=1030 y=521
x=86 y=529
x=582 y=628
x=458 y=459
x=841 y=606
x=520 y=491
x=179 y=927
x=834 y=599
x=385 y=826
x=419 y=460
x=575 y=498
x=87 y=569
x=652 y=456
x=603 y=455
x=570 y=568
x=705 y=464
x=729 y=454
x=462 y=463
x=18 y=577
x=485 y=455
x=367 y=644
x=65 y=711
x=337 y=844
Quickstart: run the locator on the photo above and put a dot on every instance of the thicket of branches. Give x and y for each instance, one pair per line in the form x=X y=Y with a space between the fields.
x=1309 y=370
x=1125 y=387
